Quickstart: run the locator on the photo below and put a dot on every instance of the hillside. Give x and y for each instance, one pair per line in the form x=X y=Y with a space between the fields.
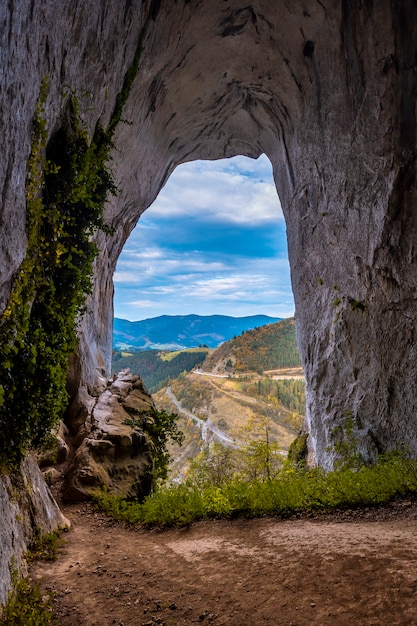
x=266 y=348
x=237 y=407
x=172 y=332
x=157 y=368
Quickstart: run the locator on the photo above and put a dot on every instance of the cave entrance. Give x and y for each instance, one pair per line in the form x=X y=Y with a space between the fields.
x=212 y=243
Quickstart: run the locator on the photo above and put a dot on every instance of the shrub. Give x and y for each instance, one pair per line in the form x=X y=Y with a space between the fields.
x=27 y=606
x=293 y=491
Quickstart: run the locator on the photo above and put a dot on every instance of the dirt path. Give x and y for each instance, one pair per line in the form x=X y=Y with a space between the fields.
x=352 y=569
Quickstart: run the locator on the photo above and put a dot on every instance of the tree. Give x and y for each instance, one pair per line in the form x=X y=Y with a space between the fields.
x=259 y=457
x=213 y=466
x=161 y=427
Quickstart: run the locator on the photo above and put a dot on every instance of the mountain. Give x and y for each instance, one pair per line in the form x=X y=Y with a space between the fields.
x=266 y=348
x=176 y=332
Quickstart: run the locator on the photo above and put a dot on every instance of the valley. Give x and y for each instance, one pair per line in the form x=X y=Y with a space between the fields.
x=249 y=389
x=238 y=408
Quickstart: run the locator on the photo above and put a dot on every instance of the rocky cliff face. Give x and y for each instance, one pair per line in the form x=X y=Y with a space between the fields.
x=327 y=90
x=27 y=509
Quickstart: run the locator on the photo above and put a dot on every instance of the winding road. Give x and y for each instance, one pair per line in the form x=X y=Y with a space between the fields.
x=206 y=426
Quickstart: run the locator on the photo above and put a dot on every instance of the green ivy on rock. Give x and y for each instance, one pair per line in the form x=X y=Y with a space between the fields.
x=68 y=183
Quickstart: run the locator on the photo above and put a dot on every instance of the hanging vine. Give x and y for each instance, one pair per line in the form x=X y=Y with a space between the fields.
x=68 y=183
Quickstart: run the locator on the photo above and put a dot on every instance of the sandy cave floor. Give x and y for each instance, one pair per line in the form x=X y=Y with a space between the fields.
x=355 y=567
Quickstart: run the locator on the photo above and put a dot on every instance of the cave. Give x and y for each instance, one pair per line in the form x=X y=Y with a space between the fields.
x=326 y=89
x=331 y=107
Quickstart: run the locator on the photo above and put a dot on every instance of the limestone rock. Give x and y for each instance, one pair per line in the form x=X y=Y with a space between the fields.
x=114 y=455
x=327 y=90
x=27 y=507
x=59 y=451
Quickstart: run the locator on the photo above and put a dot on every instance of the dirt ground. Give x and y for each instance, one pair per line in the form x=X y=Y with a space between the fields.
x=352 y=568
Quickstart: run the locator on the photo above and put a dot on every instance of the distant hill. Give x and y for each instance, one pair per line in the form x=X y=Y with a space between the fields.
x=266 y=348
x=157 y=368
x=229 y=391
x=176 y=332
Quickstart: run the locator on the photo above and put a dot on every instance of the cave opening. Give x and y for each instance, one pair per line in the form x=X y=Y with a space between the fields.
x=213 y=242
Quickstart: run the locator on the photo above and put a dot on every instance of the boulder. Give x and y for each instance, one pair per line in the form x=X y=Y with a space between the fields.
x=115 y=454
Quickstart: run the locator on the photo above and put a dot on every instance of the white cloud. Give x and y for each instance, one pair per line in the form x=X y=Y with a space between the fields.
x=138 y=270
x=219 y=192
x=142 y=304
x=206 y=264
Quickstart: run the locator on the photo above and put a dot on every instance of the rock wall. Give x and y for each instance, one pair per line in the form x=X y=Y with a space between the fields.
x=327 y=89
x=27 y=508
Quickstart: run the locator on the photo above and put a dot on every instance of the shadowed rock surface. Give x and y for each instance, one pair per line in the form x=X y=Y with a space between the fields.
x=27 y=508
x=111 y=453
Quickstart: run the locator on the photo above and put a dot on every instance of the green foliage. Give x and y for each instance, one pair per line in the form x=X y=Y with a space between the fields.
x=297 y=453
x=157 y=371
x=346 y=445
x=357 y=305
x=192 y=396
x=44 y=547
x=67 y=187
x=161 y=428
x=215 y=466
x=293 y=491
x=290 y=393
x=218 y=465
x=68 y=183
x=27 y=606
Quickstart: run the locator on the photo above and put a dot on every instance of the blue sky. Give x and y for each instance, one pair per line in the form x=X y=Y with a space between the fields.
x=213 y=242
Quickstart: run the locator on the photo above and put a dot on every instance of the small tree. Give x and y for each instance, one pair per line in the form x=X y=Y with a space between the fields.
x=213 y=466
x=259 y=457
x=161 y=427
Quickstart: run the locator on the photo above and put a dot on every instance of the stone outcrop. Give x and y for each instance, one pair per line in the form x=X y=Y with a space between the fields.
x=327 y=90
x=27 y=508
x=59 y=451
x=111 y=453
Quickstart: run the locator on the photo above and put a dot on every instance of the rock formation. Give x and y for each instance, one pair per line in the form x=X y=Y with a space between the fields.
x=326 y=89
x=27 y=508
x=111 y=453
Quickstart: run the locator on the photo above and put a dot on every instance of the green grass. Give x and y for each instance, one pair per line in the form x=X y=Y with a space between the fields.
x=27 y=606
x=294 y=491
x=168 y=356
x=44 y=547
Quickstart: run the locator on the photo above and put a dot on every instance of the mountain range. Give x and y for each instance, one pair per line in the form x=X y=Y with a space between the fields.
x=176 y=332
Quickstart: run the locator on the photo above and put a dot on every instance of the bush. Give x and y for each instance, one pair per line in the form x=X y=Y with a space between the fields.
x=293 y=491
x=27 y=606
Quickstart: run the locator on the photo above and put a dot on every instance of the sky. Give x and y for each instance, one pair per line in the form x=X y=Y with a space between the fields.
x=213 y=242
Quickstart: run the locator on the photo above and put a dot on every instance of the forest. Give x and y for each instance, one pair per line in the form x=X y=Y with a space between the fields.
x=265 y=348
x=155 y=370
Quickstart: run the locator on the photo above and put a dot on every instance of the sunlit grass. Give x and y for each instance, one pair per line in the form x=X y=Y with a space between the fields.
x=293 y=491
x=168 y=356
